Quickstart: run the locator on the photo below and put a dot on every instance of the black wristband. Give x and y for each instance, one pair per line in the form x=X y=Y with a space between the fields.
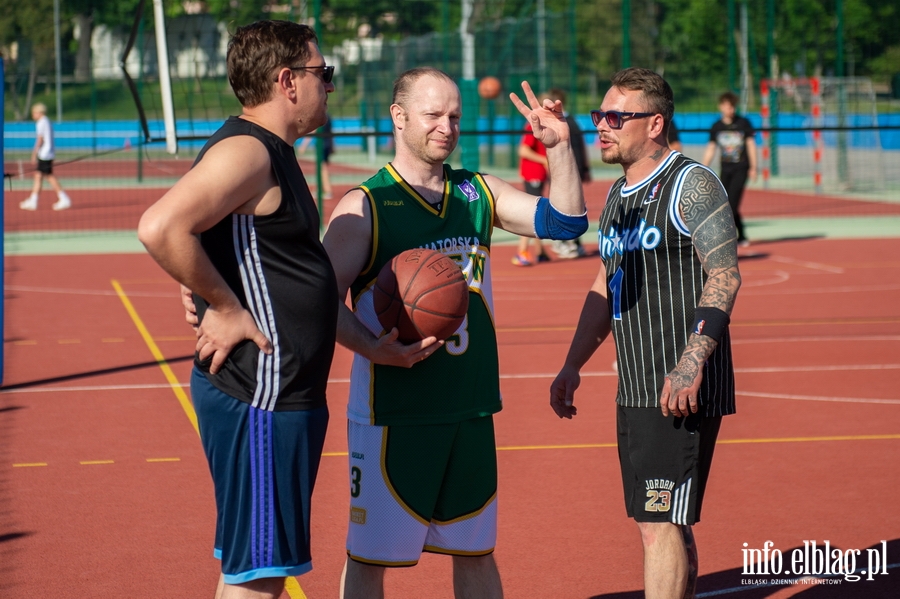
x=711 y=322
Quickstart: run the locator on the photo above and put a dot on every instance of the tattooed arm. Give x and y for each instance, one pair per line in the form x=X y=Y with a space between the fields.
x=705 y=210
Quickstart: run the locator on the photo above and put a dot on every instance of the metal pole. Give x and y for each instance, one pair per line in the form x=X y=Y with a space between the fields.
x=542 y=46
x=731 y=51
x=165 y=77
x=59 y=116
x=745 y=59
x=843 y=164
x=320 y=143
x=773 y=75
x=626 y=34
x=469 y=89
x=2 y=226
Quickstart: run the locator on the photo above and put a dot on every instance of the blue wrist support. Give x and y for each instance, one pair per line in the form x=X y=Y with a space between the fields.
x=550 y=223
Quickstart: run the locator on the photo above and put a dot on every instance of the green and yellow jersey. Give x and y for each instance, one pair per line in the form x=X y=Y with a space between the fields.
x=461 y=380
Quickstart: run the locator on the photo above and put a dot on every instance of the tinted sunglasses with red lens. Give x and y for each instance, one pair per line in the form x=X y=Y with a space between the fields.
x=616 y=119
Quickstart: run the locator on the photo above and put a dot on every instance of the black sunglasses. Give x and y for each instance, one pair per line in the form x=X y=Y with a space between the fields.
x=327 y=71
x=616 y=119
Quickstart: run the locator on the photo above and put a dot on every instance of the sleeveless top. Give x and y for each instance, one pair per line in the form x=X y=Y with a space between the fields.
x=654 y=281
x=279 y=270
x=462 y=379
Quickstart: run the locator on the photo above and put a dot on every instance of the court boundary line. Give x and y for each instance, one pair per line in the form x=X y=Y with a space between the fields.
x=291 y=585
x=174 y=383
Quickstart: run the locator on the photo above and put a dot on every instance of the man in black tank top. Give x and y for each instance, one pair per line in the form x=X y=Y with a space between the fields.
x=241 y=230
x=666 y=288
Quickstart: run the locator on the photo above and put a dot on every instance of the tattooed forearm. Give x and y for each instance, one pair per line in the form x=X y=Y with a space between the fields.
x=698 y=349
x=704 y=206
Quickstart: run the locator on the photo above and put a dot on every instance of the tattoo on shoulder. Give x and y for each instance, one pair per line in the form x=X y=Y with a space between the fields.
x=704 y=206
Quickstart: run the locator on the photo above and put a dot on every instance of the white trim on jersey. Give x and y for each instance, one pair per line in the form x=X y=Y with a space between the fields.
x=674 y=212
x=268 y=367
x=627 y=191
x=681 y=502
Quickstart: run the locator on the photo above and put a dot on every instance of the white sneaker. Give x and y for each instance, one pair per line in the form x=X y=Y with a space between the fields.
x=565 y=249
x=63 y=202
x=30 y=203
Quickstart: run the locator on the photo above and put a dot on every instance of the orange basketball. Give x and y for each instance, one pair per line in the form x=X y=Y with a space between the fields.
x=423 y=293
x=489 y=88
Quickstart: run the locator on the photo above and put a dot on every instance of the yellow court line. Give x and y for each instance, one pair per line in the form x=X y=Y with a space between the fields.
x=810 y=439
x=31 y=465
x=291 y=585
x=293 y=588
x=163 y=459
x=95 y=462
x=158 y=356
x=719 y=442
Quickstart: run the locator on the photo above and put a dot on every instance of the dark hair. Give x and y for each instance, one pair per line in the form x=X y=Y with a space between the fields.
x=405 y=81
x=656 y=94
x=554 y=93
x=256 y=51
x=730 y=97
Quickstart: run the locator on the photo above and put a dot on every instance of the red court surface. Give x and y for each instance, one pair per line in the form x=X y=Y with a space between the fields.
x=104 y=491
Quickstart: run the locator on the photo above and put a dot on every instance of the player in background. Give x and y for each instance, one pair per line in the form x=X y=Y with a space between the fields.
x=573 y=248
x=535 y=173
x=422 y=459
x=735 y=139
x=42 y=156
x=666 y=287
x=241 y=230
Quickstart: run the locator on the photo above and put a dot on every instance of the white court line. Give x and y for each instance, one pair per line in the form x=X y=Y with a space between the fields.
x=847 y=289
x=780 y=276
x=834 y=368
x=813 y=265
x=64 y=291
x=816 y=339
x=818 y=398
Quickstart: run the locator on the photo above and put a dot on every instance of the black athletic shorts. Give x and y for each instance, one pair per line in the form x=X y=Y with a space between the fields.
x=45 y=166
x=665 y=463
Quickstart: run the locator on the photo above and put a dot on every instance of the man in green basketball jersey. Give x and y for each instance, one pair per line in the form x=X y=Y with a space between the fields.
x=422 y=464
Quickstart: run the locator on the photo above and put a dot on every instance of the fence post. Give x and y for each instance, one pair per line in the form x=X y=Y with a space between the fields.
x=817 y=133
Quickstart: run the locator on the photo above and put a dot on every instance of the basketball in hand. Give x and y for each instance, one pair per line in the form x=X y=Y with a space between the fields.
x=423 y=294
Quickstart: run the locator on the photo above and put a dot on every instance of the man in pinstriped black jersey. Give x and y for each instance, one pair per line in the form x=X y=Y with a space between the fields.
x=666 y=288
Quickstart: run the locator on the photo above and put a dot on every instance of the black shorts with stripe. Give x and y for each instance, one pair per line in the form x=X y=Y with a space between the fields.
x=665 y=463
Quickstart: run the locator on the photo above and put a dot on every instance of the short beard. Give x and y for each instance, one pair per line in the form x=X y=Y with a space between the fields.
x=610 y=157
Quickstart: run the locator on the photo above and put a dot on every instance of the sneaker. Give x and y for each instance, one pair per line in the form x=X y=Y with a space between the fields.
x=63 y=202
x=565 y=249
x=30 y=203
x=580 y=251
x=521 y=260
x=542 y=257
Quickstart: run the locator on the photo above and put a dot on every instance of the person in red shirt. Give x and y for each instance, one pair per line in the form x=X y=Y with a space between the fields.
x=533 y=169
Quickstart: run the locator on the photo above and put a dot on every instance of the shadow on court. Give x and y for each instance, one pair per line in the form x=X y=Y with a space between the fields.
x=734 y=583
x=83 y=375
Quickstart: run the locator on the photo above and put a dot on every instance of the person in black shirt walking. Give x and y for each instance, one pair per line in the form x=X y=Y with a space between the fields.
x=734 y=137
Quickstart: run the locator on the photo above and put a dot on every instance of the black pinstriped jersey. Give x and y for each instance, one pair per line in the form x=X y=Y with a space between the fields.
x=654 y=282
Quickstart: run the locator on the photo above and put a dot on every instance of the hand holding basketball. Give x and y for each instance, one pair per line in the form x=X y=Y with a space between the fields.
x=421 y=293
